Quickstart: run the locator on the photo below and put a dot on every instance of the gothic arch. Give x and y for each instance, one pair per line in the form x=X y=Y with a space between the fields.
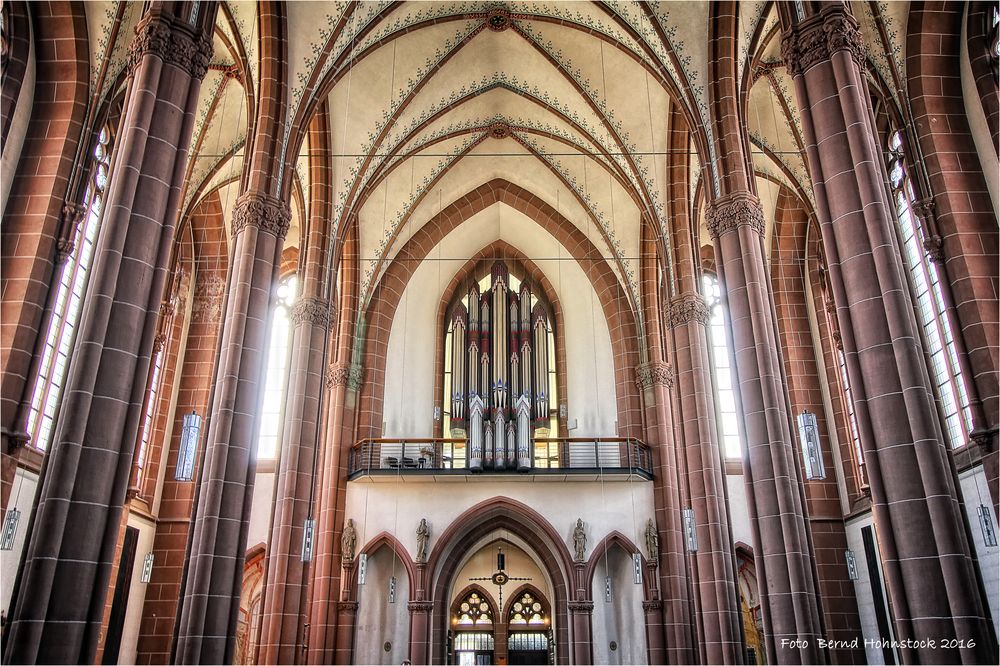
x=386 y=540
x=615 y=538
x=474 y=524
x=390 y=288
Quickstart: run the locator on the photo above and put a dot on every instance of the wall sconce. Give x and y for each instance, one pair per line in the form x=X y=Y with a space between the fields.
x=637 y=568
x=607 y=589
x=437 y=413
x=362 y=567
x=190 y=433
x=392 y=589
x=812 y=457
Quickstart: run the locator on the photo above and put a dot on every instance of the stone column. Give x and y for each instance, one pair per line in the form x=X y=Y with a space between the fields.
x=56 y=616
x=420 y=613
x=929 y=569
x=653 y=610
x=655 y=379
x=209 y=608
x=713 y=570
x=782 y=549
x=580 y=613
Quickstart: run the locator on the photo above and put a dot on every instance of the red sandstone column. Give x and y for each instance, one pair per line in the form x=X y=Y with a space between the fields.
x=580 y=613
x=929 y=570
x=654 y=380
x=713 y=574
x=57 y=613
x=285 y=596
x=420 y=613
x=207 y=627
x=653 y=610
x=789 y=602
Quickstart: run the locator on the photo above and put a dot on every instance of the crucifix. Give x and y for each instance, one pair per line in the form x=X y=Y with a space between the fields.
x=500 y=577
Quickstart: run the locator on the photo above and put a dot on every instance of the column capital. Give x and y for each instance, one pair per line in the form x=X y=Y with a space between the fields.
x=655 y=373
x=817 y=38
x=732 y=211
x=266 y=213
x=652 y=605
x=172 y=42
x=687 y=308
x=355 y=376
x=347 y=607
x=337 y=374
x=581 y=606
x=314 y=311
x=420 y=606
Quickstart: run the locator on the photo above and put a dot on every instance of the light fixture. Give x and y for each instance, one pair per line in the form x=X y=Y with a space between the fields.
x=307 y=539
x=690 y=533
x=852 y=564
x=985 y=523
x=637 y=568
x=362 y=567
x=812 y=457
x=392 y=589
x=9 y=529
x=190 y=433
x=607 y=589
x=147 y=568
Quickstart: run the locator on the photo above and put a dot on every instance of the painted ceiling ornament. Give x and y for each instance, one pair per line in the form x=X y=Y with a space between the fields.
x=268 y=214
x=499 y=130
x=689 y=307
x=498 y=19
x=733 y=211
x=818 y=37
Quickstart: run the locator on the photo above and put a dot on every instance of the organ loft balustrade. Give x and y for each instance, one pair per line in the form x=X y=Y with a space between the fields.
x=546 y=458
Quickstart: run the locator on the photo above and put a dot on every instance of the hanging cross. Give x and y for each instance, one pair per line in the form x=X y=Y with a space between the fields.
x=500 y=577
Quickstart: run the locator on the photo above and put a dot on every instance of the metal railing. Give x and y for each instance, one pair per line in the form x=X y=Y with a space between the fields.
x=548 y=454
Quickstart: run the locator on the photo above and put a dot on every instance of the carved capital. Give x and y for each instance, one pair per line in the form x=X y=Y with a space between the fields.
x=174 y=45
x=420 y=606
x=159 y=342
x=817 y=38
x=267 y=214
x=648 y=375
x=732 y=212
x=337 y=374
x=581 y=606
x=689 y=307
x=652 y=605
x=313 y=311
x=355 y=376
x=72 y=214
x=985 y=439
x=347 y=607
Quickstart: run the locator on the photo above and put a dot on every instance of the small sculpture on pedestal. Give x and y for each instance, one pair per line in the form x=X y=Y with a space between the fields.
x=348 y=540
x=652 y=541
x=579 y=541
x=423 y=535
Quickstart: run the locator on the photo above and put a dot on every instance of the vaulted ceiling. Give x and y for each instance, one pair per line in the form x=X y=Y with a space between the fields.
x=571 y=101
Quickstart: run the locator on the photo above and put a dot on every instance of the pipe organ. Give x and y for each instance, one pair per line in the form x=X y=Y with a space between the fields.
x=499 y=373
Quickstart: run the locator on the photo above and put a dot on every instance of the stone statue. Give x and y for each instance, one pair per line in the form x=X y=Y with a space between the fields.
x=652 y=541
x=579 y=541
x=423 y=535
x=348 y=540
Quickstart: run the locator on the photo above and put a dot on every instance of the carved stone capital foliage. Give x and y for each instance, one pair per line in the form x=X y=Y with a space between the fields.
x=733 y=211
x=648 y=375
x=337 y=374
x=652 y=606
x=171 y=41
x=355 y=377
x=420 y=606
x=581 y=606
x=266 y=213
x=818 y=37
x=347 y=607
x=313 y=311
x=984 y=438
x=689 y=307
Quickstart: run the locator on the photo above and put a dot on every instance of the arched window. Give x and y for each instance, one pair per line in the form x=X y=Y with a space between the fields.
x=500 y=371
x=473 y=610
x=725 y=389
x=277 y=370
x=932 y=314
x=72 y=285
x=528 y=610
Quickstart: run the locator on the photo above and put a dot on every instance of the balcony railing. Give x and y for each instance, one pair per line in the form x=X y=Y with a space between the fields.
x=548 y=456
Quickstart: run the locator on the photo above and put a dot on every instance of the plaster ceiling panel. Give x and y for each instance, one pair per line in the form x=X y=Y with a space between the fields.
x=312 y=23
x=686 y=27
x=220 y=128
x=884 y=32
x=751 y=14
x=767 y=192
x=244 y=17
x=110 y=30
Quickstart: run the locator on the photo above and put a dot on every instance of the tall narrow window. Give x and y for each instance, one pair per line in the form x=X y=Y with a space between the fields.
x=932 y=314
x=725 y=392
x=147 y=416
x=277 y=370
x=852 y=422
x=66 y=309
